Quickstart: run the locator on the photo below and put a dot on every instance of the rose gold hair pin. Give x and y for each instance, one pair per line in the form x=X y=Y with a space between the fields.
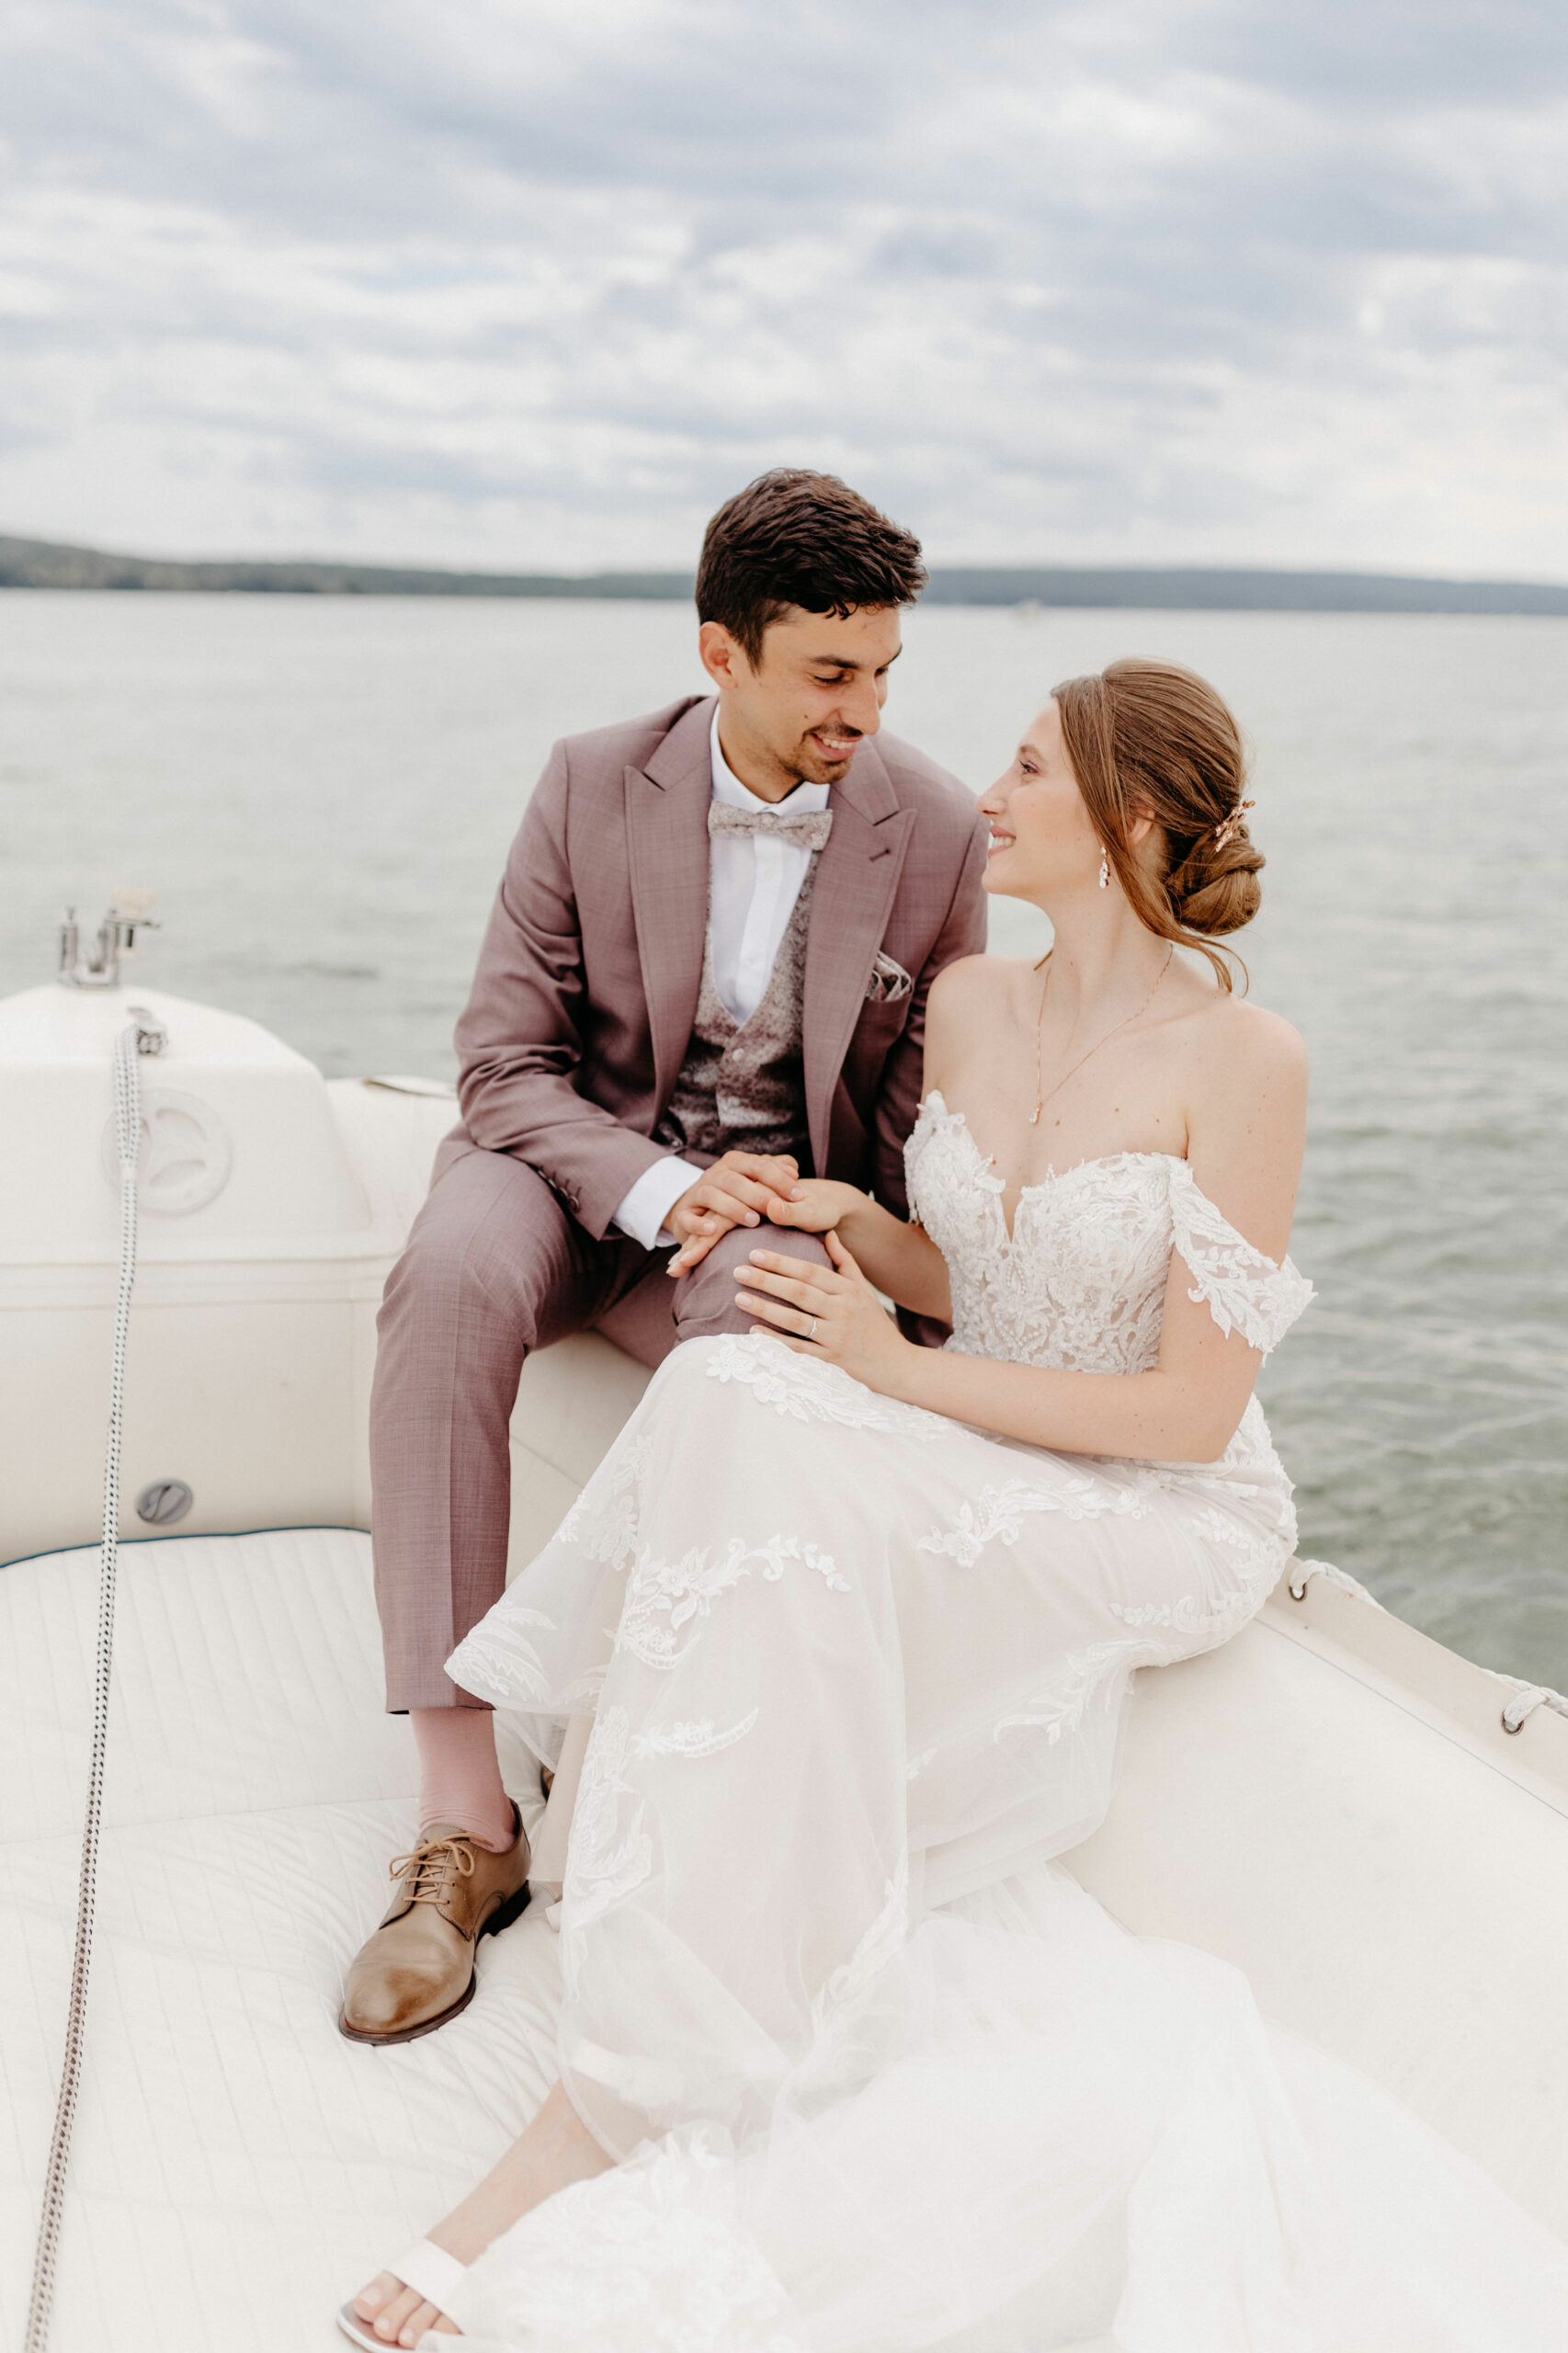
x=1222 y=832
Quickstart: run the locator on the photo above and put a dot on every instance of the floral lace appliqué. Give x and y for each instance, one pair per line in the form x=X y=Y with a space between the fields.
x=1080 y=1282
x=606 y=1858
x=1193 y=1622
x=697 y=1738
x=998 y=1514
x=809 y=1389
x=1244 y=1291
x=665 y=1596
x=497 y=1658
x=611 y=1853
x=1083 y=1676
x=603 y=1522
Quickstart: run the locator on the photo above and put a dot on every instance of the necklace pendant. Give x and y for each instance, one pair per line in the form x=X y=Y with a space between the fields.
x=1034 y=1115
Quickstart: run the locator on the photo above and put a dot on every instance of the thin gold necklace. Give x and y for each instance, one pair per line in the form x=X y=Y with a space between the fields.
x=1042 y=1098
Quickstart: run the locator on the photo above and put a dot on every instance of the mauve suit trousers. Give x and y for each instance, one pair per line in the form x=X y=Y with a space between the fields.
x=496 y=1267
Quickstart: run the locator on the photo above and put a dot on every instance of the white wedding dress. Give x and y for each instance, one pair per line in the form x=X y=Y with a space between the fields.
x=882 y=2075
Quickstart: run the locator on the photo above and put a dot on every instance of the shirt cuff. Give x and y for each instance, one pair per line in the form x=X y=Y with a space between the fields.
x=641 y=1213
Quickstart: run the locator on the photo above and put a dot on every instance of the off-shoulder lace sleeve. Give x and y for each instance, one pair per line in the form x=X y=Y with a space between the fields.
x=1246 y=1291
x=928 y=1119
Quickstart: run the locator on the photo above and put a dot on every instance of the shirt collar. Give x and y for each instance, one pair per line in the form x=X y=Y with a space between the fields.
x=727 y=786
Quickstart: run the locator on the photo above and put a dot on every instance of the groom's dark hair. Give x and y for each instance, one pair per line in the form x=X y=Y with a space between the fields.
x=796 y=538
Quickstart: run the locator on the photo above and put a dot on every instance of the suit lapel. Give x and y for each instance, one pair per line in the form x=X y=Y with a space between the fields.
x=666 y=823
x=857 y=877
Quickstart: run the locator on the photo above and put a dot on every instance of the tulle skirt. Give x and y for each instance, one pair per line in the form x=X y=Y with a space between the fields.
x=880 y=2074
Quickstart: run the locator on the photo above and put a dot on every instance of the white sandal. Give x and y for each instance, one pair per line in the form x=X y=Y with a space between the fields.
x=428 y=2268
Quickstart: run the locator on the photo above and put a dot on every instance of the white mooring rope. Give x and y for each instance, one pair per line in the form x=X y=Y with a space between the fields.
x=1301 y=1573
x=1528 y=1697
x=1517 y=1712
x=128 y=1139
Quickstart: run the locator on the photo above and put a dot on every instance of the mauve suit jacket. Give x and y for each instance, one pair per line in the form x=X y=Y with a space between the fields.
x=586 y=991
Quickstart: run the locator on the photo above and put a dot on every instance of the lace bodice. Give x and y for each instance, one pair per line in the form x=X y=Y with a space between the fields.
x=1080 y=1282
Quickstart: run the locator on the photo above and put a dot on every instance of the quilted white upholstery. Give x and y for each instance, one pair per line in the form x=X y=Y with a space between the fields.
x=1392 y=1890
x=238 y=2168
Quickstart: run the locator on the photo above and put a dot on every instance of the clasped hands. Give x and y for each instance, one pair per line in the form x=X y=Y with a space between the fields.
x=834 y=1314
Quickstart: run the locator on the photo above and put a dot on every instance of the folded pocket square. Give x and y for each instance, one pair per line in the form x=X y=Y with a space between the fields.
x=889 y=981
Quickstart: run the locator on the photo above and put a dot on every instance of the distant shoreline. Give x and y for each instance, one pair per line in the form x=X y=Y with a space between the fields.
x=42 y=564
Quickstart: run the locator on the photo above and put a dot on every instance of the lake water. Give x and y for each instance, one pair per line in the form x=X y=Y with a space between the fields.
x=321 y=792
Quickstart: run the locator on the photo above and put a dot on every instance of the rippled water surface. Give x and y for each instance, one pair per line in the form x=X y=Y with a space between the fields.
x=321 y=791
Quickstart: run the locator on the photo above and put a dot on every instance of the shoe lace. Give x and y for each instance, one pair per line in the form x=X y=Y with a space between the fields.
x=428 y=1867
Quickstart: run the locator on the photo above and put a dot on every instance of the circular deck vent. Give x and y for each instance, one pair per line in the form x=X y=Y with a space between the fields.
x=186 y=1154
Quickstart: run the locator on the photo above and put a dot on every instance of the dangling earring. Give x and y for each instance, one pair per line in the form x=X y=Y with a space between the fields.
x=1105 y=868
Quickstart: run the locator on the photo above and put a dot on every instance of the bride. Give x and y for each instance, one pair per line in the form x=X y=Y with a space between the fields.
x=845 y=2060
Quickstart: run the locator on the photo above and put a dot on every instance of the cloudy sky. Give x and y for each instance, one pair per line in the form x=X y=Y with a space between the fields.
x=1275 y=281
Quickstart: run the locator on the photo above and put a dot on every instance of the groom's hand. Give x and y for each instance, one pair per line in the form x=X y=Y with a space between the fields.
x=736 y=1191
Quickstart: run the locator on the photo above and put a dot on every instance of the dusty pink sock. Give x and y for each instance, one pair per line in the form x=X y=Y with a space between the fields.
x=459 y=1780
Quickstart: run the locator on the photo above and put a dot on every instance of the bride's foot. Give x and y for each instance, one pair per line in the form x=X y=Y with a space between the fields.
x=556 y=2150
x=399 y=2315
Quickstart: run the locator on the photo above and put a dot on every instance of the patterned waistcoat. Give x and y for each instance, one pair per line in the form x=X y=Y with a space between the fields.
x=742 y=1087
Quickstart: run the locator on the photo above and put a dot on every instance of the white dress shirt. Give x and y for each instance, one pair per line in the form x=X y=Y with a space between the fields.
x=752 y=884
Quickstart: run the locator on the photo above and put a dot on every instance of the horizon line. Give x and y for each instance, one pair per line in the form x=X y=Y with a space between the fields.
x=60 y=565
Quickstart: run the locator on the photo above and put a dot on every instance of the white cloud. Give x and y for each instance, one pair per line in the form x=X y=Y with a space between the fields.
x=1152 y=280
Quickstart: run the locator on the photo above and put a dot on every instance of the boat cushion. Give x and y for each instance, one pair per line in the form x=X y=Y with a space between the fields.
x=239 y=2169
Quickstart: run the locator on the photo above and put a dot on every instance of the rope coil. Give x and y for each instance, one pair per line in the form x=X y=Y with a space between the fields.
x=127 y=1140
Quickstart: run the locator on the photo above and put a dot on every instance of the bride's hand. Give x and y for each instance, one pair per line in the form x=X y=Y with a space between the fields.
x=815 y=1205
x=834 y=1315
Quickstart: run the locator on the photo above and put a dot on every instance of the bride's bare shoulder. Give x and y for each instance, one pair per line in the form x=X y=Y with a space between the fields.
x=975 y=998
x=1244 y=1056
x=977 y=984
x=1235 y=1025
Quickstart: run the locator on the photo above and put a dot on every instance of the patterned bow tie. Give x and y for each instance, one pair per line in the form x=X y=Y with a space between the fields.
x=807 y=829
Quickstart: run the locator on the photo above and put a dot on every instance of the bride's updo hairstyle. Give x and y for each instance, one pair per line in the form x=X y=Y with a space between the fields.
x=1146 y=738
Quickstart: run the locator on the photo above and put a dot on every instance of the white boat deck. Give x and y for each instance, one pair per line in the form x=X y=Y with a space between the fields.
x=238 y=2168
x=1328 y=1802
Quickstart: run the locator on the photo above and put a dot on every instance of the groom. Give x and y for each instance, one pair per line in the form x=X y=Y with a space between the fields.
x=705 y=975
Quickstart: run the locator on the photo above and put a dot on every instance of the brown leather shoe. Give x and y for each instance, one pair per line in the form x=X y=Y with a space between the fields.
x=417 y=1972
